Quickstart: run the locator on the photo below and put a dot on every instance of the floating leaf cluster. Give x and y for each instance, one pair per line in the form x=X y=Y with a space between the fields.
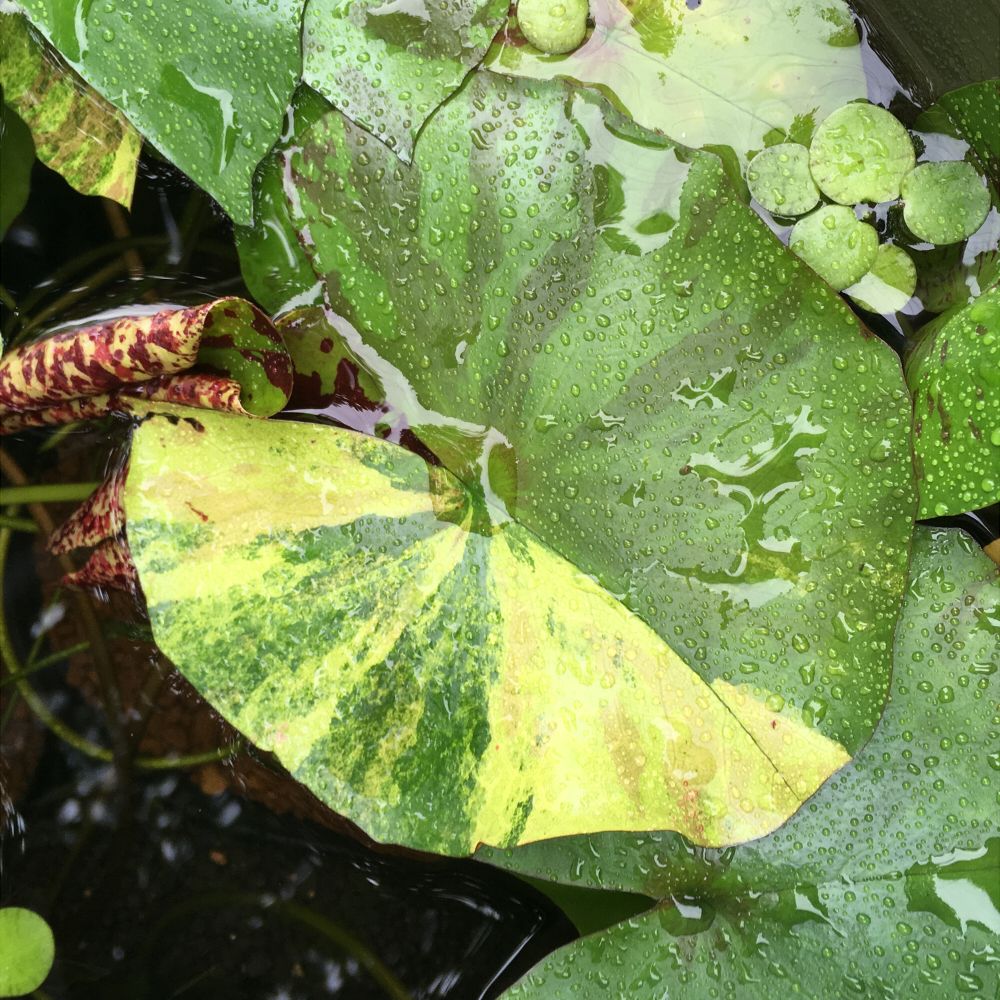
x=862 y=155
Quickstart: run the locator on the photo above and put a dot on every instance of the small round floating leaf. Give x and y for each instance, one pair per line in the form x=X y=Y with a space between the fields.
x=553 y=27
x=944 y=202
x=779 y=178
x=838 y=247
x=27 y=950
x=861 y=153
x=890 y=283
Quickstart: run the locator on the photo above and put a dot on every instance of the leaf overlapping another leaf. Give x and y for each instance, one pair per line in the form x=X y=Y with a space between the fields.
x=954 y=373
x=388 y=65
x=728 y=73
x=76 y=132
x=441 y=679
x=887 y=883
x=207 y=83
x=91 y=370
x=582 y=321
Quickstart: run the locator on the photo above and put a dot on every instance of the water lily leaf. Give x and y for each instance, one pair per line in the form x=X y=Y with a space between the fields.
x=76 y=131
x=861 y=153
x=955 y=377
x=721 y=73
x=885 y=884
x=27 y=950
x=971 y=113
x=389 y=63
x=835 y=244
x=18 y=154
x=680 y=409
x=241 y=360
x=274 y=269
x=944 y=202
x=207 y=83
x=890 y=283
x=553 y=28
x=779 y=178
x=432 y=672
x=957 y=274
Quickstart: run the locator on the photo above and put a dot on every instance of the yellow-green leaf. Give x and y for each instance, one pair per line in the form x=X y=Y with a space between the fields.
x=76 y=131
x=427 y=666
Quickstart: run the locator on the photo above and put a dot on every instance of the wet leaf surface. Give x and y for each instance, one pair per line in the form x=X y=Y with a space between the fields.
x=428 y=670
x=388 y=64
x=724 y=73
x=954 y=374
x=931 y=47
x=76 y=132
x=586 y=322
x=206 y=83
x=971 y=113
x=884 y=884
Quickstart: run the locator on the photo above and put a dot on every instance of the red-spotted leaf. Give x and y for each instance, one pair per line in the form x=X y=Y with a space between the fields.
x=224 y=354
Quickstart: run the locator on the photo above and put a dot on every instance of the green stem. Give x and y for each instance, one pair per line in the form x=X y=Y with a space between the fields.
x=7 y=299
x=48 y=492
x=46 y=661
x=18 y=523
x=57 y=435
x=107 y=273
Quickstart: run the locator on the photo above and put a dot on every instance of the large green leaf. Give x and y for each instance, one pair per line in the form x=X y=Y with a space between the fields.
x=586 y=321
x=388 y=64
x=76 y=132
x=206 y=82
x=955 y=377
x=887 y=883
x=428 y=669
x=722 y=73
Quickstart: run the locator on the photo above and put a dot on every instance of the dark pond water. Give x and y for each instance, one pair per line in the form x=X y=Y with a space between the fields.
x=154 y=887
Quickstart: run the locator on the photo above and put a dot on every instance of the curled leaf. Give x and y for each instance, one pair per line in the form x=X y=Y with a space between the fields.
x=110 y=565
x=98 y=518
x=91 y=370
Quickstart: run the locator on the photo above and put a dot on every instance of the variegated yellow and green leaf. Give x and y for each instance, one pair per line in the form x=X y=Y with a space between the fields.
x=76 y=131
x=427 y=666
x=207 y=82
